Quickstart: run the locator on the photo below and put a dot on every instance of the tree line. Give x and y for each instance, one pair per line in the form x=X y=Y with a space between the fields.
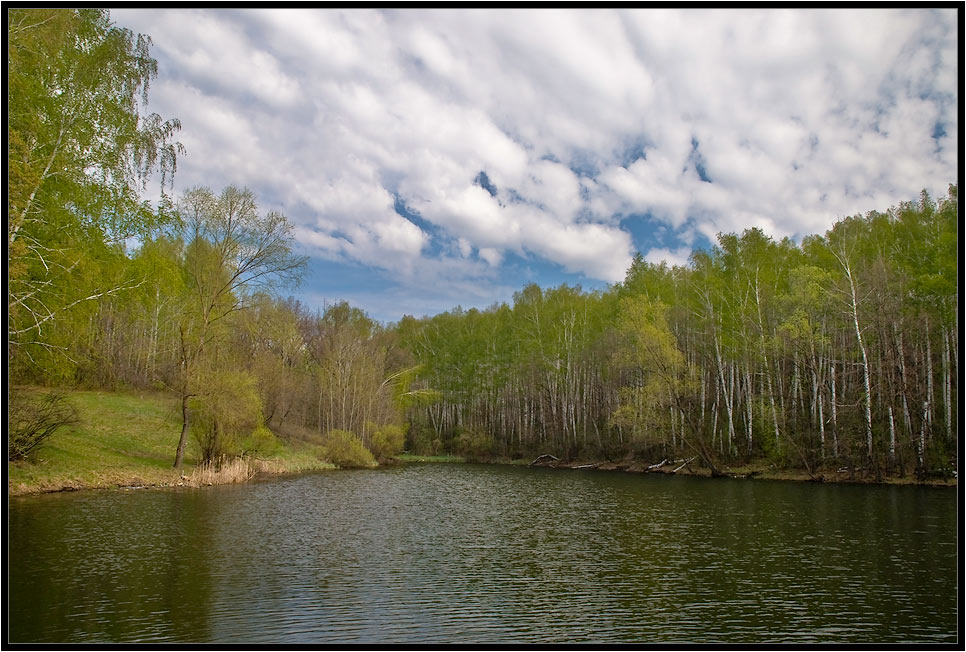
x=840 y=351
x=106 y=290
x=837 y=352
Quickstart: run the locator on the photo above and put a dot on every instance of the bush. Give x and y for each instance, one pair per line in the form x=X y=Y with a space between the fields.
x=229 y=409
x=474 y=445
x=346 y=450
x=261 y=442
x=33 y=417
x=422 y=441
x=388 y=440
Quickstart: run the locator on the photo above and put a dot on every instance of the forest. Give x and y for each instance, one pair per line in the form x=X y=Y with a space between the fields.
x=836 y=352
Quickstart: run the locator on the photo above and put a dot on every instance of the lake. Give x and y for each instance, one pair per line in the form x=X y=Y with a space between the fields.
x=467 y=553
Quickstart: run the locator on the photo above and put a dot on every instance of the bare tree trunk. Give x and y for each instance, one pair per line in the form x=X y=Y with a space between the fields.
x=727 y=397
x=749 y=388
x=929 y=391
x=892 y=438
x=947 y=388
x=922 y=435
x=767 y=366
x=821 y=425
x=902 y=380
x=846 y=265
x=832 y=404
x=185 y=417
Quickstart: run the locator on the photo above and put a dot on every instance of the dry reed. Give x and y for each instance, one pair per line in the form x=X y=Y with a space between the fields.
x=222 y=471
x=269 y=466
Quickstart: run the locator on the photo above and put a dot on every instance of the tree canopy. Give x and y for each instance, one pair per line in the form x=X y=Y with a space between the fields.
x=80 y=151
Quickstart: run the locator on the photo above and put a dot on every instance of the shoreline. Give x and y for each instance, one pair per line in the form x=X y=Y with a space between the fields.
x=132 y=481
x=135 y=482
x=739 y=472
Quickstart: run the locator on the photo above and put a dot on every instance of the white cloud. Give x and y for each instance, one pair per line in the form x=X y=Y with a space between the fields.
x=678 y=256
x=798 y=117
x=491 y=256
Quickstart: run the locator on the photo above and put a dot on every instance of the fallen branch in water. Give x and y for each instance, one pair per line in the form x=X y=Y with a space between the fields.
x=657 y=466
x=587 y=466
x=686 y=462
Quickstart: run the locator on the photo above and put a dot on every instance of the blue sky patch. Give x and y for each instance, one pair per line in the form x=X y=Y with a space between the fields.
x=484 y=182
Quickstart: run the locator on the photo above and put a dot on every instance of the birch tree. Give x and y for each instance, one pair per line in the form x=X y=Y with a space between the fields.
x=80 y=150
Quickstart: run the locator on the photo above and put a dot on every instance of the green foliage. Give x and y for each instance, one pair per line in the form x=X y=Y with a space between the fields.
x=361 y=378
x=232 y=254
x=260 y=442
x=642 y=412
x=404 y=395
x=474 y=445
x=227 y=411
x=32 y=417
x=125 y=438
x=346 y=450
x=423 y=441
x=80 y=151
x=749 y=350
x=387 y=440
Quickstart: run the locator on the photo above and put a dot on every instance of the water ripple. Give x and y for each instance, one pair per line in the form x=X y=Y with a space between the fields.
x=486 y=554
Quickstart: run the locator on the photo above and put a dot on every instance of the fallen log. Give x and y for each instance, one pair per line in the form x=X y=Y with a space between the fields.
x=587 y=466
x=686 y=462
x=543 y=457
x=657 y=466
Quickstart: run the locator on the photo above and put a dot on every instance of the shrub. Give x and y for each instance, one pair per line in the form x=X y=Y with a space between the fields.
x=388 y=440
x=261 y=441
x=229 y=408
x=346 y=450
x=33 y=417
x=474 y=445
x=423 y=442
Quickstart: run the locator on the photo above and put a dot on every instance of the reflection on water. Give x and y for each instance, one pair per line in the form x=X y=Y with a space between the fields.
x=476 y=553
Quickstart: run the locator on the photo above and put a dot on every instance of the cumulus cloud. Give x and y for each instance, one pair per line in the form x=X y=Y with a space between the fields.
x=704 y=120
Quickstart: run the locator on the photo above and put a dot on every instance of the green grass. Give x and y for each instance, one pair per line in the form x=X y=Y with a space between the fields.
x=409 y=457
x=127 y=439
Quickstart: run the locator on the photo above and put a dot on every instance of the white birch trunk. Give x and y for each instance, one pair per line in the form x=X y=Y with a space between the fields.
x=832 y=404
x=892 y=437
x=947 y=389
x=865 y=357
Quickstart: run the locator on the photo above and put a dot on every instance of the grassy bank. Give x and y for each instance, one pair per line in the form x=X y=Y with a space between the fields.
x=129 y=439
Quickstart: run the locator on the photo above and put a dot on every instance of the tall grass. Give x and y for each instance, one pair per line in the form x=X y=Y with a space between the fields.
x=221 y=471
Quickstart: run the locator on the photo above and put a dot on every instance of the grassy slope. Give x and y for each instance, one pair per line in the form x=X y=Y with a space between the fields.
x=124 y=439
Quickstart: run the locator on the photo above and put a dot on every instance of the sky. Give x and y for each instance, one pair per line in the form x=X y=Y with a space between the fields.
x=435 y=158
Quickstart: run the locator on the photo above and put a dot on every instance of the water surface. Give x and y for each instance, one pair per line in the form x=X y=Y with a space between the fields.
x=462 y=553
